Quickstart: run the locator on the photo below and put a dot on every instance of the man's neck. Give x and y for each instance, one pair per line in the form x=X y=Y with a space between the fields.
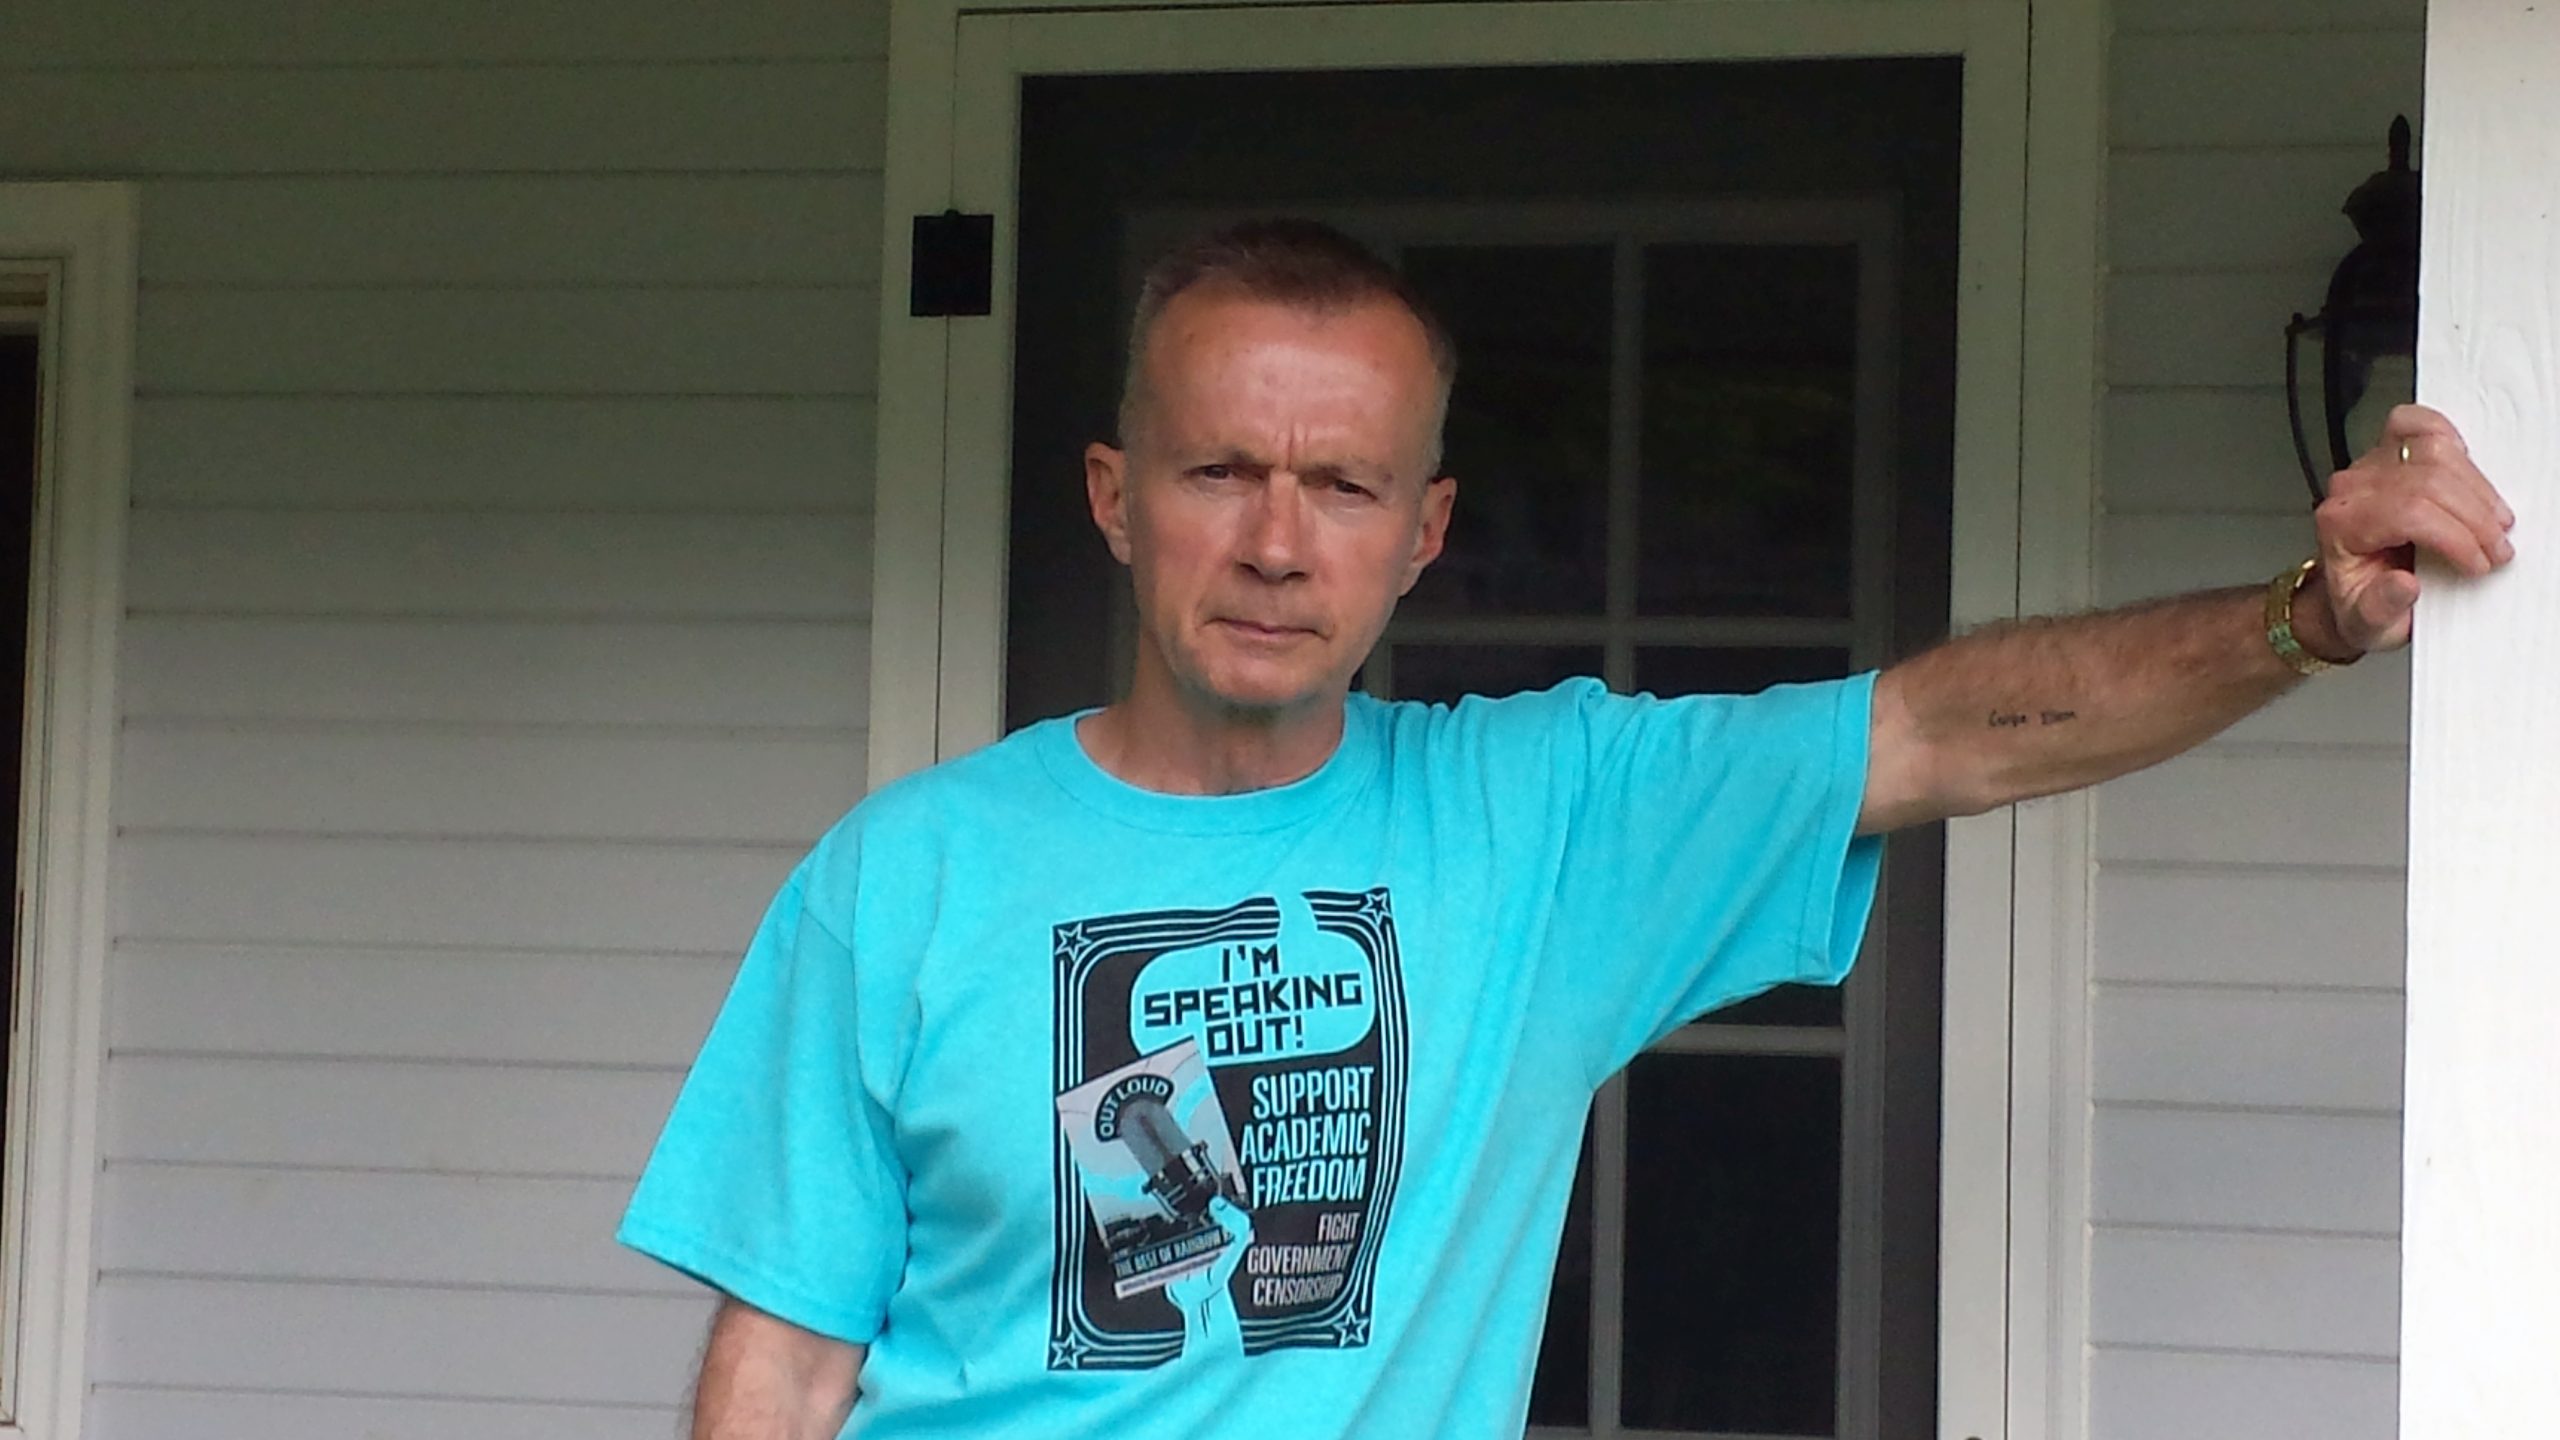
x=1177 y=745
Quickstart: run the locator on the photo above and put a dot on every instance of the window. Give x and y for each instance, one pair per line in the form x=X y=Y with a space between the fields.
x=1675 y=431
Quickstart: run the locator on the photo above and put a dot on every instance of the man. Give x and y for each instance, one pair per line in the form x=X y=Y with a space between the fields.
x=1215 y=1063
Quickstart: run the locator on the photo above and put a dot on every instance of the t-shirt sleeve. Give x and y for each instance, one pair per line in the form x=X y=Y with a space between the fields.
x=1710 y=856
x=776 y=1178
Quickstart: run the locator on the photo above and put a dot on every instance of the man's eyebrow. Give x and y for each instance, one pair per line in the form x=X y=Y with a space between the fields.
x=1359 y=472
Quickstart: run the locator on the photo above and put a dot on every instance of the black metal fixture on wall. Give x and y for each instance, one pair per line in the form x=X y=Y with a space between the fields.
x=2366 y=333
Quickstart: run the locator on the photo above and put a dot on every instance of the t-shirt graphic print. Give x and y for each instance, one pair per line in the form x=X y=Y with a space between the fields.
x=1230 y=1093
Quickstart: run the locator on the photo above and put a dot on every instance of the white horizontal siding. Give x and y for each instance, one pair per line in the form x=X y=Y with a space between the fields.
x=562 y=1007
x=498 y=586
x=119 y=1412
x=2270 y=926
x=2274 y=1294
x=335 y=563
x=2179 y=1395
x=2246 y=1022
x=2245 y=1170
x=505 y=454
x=120 y=33
x=519 y=340
x=521 y=1345
x=575 y=785
x=729 y=674
x=449 y=231
x=220 y=1222
x=766 y=117
x=551 y=1121
x=484 y=892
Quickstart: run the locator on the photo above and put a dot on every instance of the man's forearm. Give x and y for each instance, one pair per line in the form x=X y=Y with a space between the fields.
x=765 y=1379
x=2033 y=707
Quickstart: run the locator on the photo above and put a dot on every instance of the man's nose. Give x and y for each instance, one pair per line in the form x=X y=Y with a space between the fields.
x=1276 y=530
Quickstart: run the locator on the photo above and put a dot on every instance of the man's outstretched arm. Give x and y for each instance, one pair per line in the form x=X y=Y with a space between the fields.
x=767 y=1379
x=2034 y=707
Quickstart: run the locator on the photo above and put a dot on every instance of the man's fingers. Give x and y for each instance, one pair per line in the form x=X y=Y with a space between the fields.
x=2409 y=424
x=2455 y=519
x=2433 y=527
x=2468 y=498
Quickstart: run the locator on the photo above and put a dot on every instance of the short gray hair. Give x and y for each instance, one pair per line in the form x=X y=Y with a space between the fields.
x=1302 y=264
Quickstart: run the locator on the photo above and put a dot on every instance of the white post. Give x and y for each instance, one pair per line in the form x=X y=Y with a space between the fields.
x=2480 y=1308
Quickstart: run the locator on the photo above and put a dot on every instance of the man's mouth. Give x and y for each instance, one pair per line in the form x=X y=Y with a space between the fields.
x=1263 y=630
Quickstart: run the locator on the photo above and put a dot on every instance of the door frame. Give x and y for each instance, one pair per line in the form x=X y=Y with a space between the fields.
x=77 y=244
x=2012 y=1272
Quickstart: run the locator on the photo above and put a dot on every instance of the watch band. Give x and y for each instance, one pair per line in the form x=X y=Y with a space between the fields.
x=2280 y=636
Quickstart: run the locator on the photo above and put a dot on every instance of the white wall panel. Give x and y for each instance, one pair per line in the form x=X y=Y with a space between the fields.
x=336 y=563
x=2143 y=17
x=2200 y=452
x=806 y=674
x=521 y=1346
x=2249 y=904
x=104 y=33
x=514 y=1120
x=2217 y=328
x=2237 y=1170
x=488 y=893
x=2160 y=1395
x=515 y=230
x=506 y=454
x=522 y=1007
x=263 y=120
x=779 y=791
x=2287 y=1049
x=2234 y=804
x=2315 y=1295
x=2264 y=926
x=498 y=587
x=655 y=340
x=121 y=1413
x=2313 y=86
x=2162 y=212
x=223 y=1222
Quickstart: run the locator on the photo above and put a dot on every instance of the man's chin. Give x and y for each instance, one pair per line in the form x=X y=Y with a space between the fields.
x=1264 y=698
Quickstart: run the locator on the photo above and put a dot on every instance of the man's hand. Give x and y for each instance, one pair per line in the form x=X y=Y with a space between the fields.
x=2417 y=489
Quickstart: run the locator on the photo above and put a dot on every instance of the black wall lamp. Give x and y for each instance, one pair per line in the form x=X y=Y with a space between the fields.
x=2366 y=333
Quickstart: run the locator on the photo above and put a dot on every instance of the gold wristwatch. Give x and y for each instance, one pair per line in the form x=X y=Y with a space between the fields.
x=2280 y=636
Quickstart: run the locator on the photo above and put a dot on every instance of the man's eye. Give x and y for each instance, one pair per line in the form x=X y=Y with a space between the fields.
x=1215 y=472
x=1351 y=488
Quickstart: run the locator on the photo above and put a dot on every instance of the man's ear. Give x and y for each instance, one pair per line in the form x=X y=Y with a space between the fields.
x=1439 y=496
x=1106 y=490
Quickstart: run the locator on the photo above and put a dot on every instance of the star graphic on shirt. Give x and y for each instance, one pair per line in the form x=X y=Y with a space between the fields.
x=1373 y=906
x=1073 y=943
x=1351 y=1330
x=1068 y=1353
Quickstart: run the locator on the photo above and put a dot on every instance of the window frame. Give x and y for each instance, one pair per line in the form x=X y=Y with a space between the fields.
x=78 y=241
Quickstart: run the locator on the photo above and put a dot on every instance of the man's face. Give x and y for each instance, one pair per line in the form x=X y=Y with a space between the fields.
x=1276 y=496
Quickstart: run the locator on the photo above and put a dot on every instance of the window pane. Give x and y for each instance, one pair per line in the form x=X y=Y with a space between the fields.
x=1750 y=368
x=1699 y=670
x=1561 y=1393
x=1733 y=1243
x=1445 y=672
x=1528 y=433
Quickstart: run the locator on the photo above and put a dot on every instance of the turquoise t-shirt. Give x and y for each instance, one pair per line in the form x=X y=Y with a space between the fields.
x=1100 y=1112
